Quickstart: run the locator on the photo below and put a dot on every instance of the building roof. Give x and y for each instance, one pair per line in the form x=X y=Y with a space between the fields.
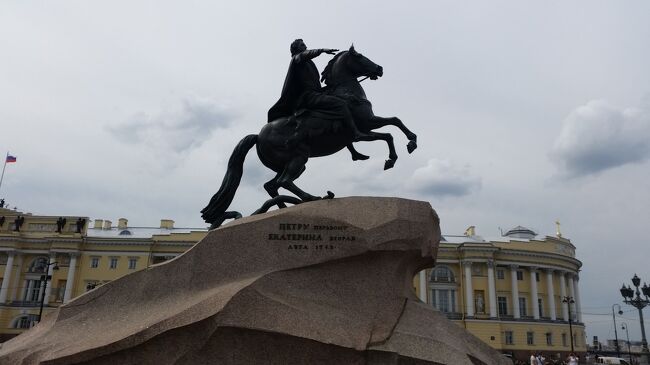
x=137 y=232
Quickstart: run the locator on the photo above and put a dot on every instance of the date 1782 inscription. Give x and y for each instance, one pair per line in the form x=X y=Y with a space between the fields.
x=311 y=236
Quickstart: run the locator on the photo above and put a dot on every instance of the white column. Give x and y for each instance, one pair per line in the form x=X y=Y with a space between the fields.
x=69 y=284
x=572 y=294
x=492 y=291
x=515 y=291
x=6 y=279
x=50 y=272
x=550 y=294
x=565 y=308
x=469 y=293
x=576 y=281
x=533 y=291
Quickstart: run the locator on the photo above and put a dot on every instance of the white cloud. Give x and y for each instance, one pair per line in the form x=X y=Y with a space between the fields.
x=598 y=136
x=443 y=178
x=177 y=129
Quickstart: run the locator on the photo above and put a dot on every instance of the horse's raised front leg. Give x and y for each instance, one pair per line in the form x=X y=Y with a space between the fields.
x=394 y=121
x=356 y=155
x=388 y=138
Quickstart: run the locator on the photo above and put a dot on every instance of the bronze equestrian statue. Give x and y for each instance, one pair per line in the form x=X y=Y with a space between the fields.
x=309 y=121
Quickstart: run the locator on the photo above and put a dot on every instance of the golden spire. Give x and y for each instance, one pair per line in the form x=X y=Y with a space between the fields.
x=557 y=229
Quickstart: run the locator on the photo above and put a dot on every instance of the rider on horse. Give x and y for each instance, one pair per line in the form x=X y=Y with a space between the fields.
x=302 y=90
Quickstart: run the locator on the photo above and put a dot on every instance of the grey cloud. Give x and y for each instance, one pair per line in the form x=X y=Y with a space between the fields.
x=177 y=129
x=598 y=136
x=443 y=178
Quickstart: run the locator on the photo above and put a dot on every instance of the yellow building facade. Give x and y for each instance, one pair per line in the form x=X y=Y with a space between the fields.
x=80 y=258
x=509 y=291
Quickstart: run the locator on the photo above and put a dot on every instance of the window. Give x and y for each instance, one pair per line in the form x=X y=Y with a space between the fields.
x=530 y=338
x=24 y=321
x=501 y=274
x=503 y=306
x=509 y=338
x=540 y=307
x=444 y=300
x=536 y=276
x=94 y=262
x=549 y=339
x=132 y=263
x=33 y=291
x=159 y=259
x=38 y=265
x=522 y=307
x=520 y=275
x=564 y=340
x=442 y=274
x=113 y=263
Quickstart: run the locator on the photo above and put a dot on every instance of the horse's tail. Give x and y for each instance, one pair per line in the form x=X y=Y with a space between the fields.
x=215 y=212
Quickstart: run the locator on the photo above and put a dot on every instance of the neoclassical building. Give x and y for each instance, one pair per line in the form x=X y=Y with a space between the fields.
x=80 y=258
x=515 y=292
x=508 y=291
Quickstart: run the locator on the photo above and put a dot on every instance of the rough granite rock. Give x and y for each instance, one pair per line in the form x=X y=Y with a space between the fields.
x=326 y=282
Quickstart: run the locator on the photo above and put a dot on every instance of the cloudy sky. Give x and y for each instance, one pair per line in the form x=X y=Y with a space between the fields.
x=526 y=113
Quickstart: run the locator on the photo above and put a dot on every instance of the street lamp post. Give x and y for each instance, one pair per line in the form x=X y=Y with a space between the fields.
x=569 y=301
x=638 y=303
x=45 y=277
x=627 y=335
x=620 y=312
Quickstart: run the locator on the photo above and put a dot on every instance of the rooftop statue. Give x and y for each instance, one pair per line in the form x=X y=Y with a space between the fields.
x=309 y=120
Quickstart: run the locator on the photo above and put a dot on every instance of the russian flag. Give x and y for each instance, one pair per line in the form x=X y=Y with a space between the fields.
x=10 y=159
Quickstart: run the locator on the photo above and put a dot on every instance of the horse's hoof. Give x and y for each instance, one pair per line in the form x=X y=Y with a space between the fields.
x=389 y=164
x=329 y=195
x=360 y=157
x=411 y=146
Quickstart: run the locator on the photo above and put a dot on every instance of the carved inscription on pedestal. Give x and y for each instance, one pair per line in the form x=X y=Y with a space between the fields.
x=306 y=236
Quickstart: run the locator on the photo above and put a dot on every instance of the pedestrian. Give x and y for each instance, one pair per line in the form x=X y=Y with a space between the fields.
x=572 y=359
x=533 y=359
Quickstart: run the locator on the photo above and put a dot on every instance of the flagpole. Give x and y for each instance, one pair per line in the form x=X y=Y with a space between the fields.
x=3 y=170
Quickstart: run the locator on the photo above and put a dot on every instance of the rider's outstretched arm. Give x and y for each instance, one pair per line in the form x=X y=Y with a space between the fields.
x=313 y=53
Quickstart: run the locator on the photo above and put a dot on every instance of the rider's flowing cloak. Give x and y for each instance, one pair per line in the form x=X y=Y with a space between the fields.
x=286 y=105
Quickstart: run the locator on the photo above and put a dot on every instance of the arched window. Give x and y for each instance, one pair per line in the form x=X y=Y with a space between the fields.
x=24 y=321
x=442 y=289
x=442 y=274
x=38 y=265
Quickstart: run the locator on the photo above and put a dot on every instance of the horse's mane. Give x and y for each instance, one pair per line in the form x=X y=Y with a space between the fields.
x=327 y=71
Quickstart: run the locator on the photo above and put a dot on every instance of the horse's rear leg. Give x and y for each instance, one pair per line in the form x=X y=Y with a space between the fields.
x=291 y=172
x=394 y=121
x=272 y=187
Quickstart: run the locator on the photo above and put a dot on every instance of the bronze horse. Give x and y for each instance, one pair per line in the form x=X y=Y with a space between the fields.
x=324 y=138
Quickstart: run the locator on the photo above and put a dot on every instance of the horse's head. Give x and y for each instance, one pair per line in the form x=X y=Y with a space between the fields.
x=349 y=65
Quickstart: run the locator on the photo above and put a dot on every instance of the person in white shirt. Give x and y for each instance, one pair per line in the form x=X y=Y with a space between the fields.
x=533 y=359
x=572 y=359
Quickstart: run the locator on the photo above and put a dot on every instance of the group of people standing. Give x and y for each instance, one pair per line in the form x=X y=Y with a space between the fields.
x=539 y=359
